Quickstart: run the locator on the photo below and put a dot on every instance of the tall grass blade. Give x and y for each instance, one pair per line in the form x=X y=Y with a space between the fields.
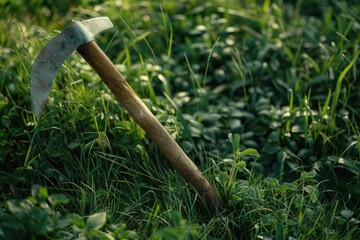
x=170 y=38
x=208 y=61
x=291 y=103
x=326 y=104
x=335 y=99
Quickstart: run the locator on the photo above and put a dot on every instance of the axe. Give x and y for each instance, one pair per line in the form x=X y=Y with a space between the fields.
x=79 y=36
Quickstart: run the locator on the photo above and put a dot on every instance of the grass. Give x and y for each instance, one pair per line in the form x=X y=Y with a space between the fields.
x=262 y=95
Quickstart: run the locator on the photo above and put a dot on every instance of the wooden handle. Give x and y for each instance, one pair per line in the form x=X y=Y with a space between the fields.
x=147 y=121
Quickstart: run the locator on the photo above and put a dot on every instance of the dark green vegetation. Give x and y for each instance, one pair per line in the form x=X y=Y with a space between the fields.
x=225 y=78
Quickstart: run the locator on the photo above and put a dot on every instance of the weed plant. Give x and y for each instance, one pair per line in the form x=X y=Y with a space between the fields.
x=262 y=95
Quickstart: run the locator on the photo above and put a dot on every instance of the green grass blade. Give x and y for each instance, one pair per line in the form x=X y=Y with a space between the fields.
x=335 y=99
x=326 y=104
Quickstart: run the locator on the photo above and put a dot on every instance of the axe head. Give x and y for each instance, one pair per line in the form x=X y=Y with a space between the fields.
x=55 y=52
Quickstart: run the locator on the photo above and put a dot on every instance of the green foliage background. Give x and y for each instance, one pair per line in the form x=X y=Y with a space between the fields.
x=281 y=76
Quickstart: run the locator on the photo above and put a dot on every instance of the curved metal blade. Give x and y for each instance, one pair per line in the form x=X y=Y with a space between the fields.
x=56 y=51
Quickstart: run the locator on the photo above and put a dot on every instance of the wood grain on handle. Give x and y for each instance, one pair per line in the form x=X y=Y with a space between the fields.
x=147 y=121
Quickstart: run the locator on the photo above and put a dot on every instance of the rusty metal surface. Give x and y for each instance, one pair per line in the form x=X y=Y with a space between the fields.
x=56 y=51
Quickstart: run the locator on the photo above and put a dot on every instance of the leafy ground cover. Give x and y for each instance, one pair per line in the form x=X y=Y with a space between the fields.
x=262 y=95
